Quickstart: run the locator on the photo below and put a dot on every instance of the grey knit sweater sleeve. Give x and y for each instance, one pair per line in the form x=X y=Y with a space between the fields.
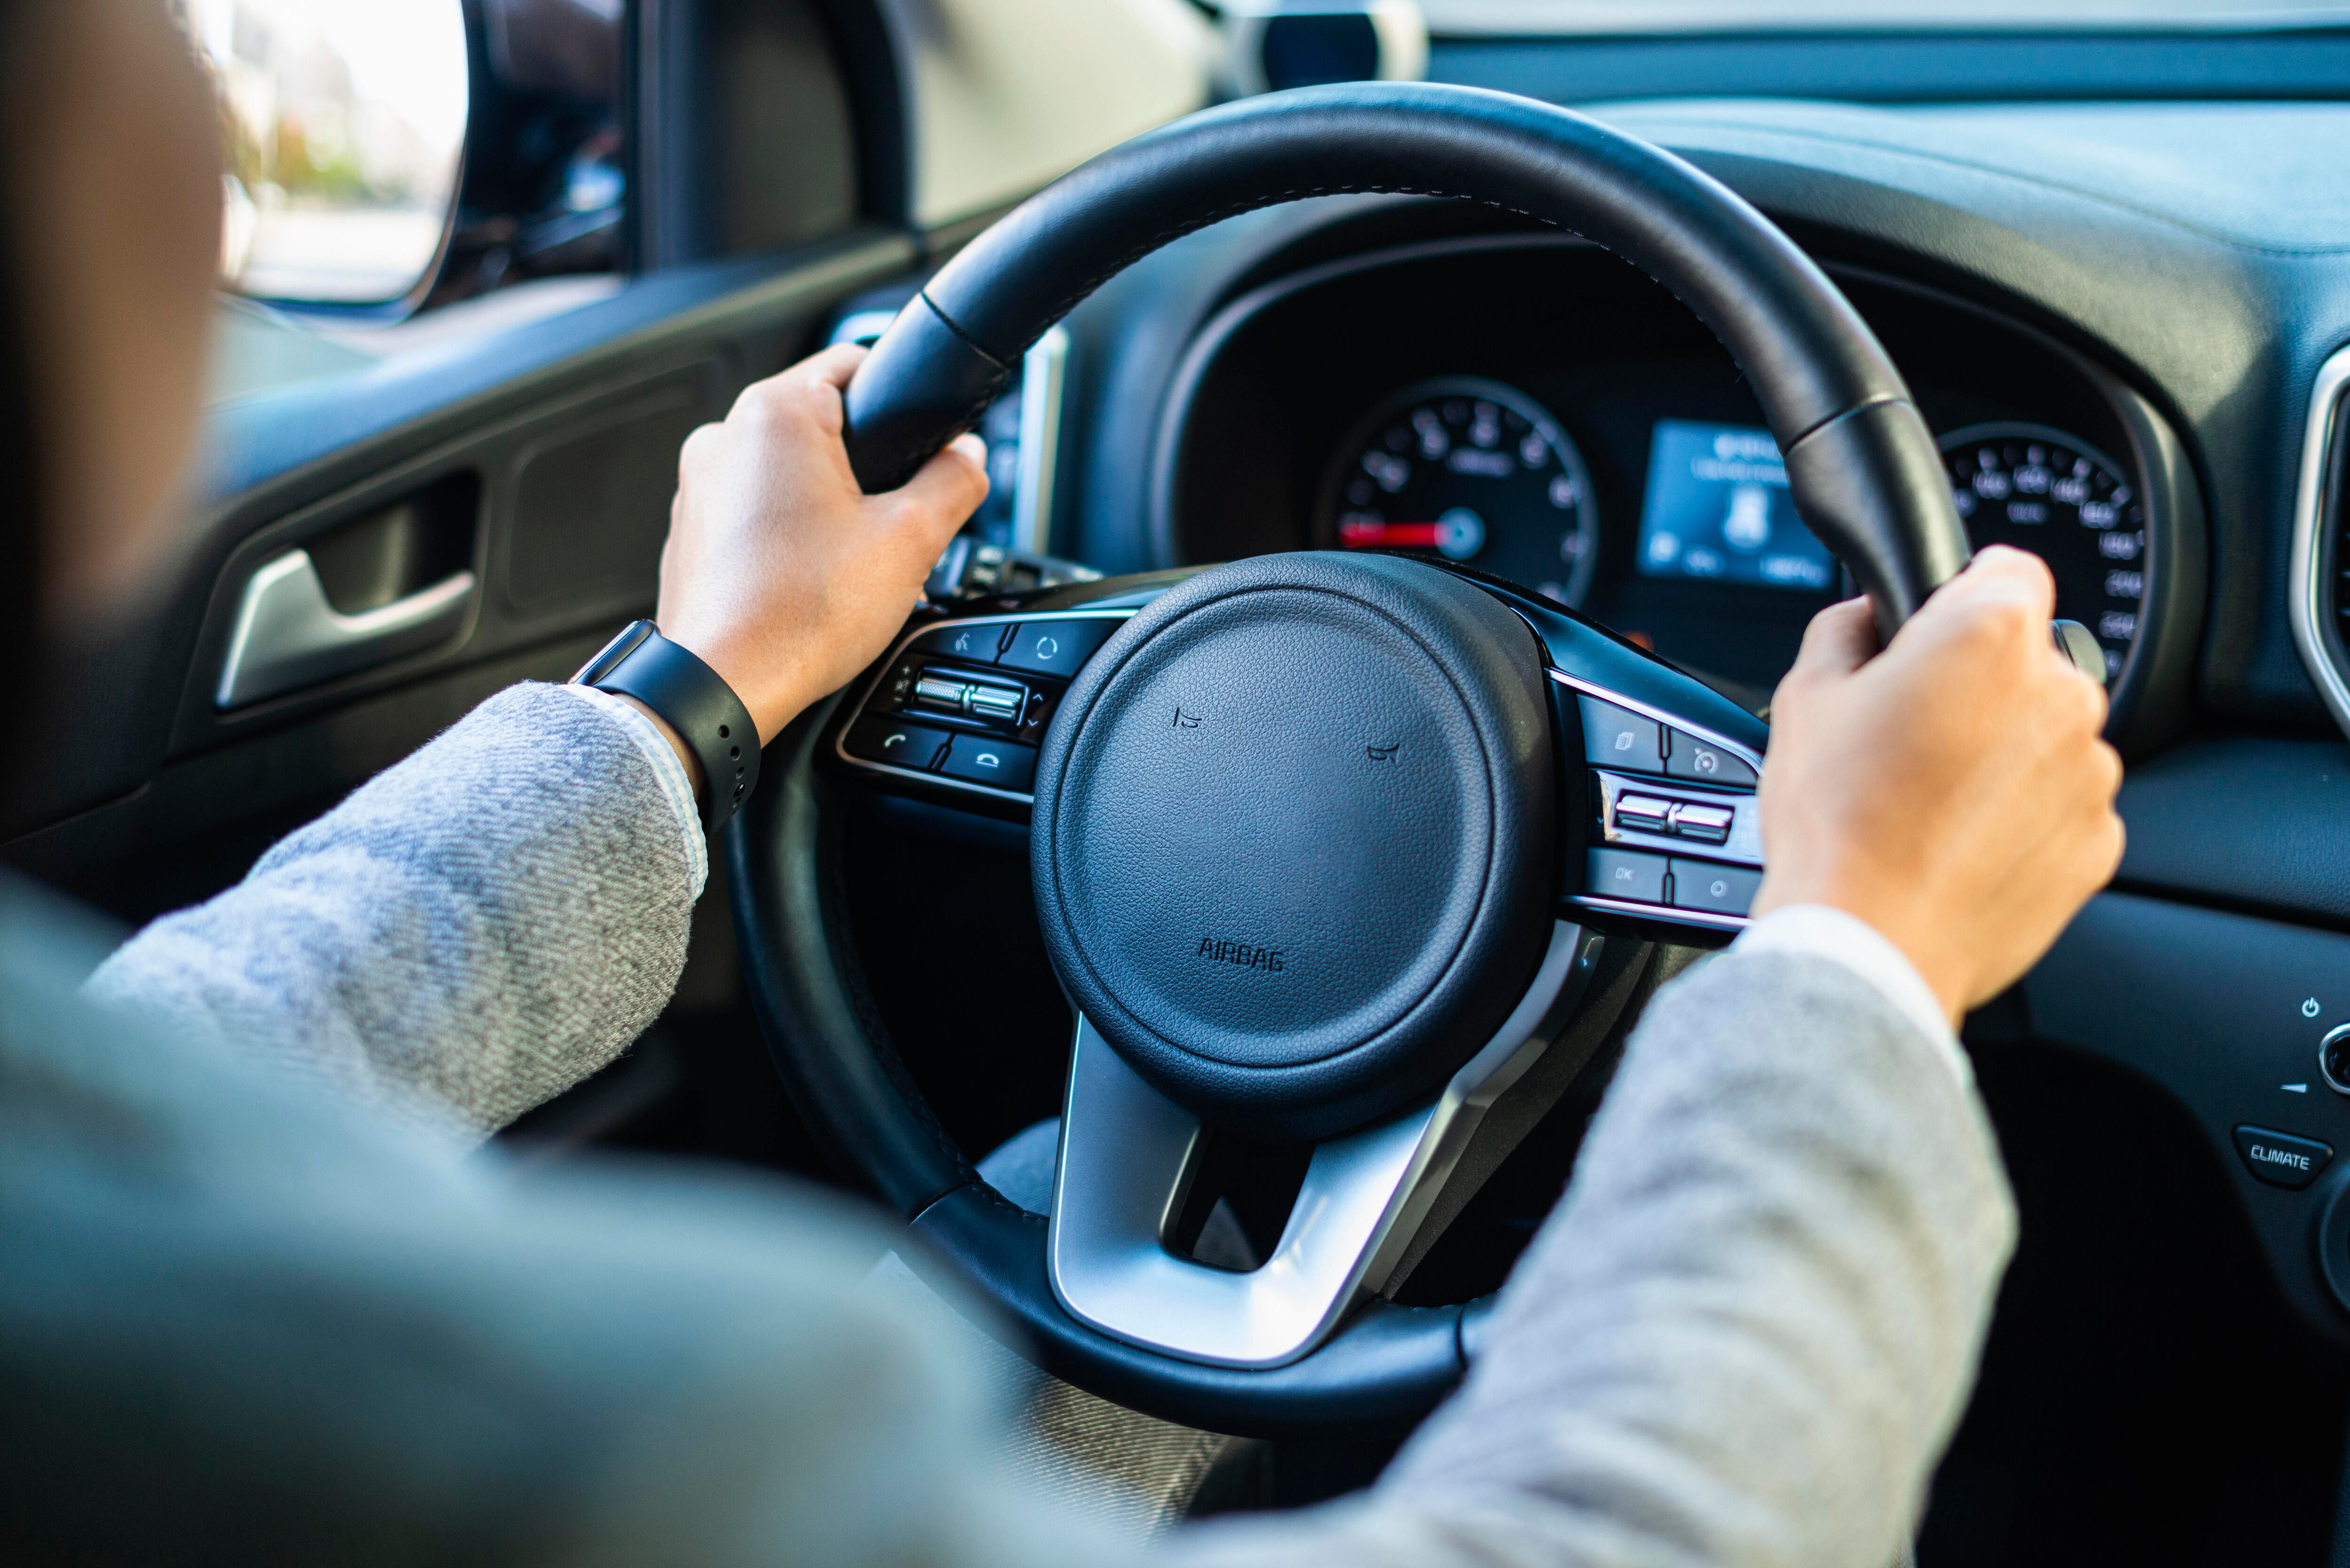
x=1744 y=1336
x=470 y=933
x=1741 y=1339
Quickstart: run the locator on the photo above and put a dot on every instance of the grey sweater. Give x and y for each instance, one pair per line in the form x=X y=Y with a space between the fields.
x=258 y=1299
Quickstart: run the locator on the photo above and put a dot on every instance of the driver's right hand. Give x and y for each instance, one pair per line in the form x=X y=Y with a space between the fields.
x=1952 y=790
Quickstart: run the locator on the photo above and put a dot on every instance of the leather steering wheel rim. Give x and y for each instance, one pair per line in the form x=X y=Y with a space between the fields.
x=1861 y=464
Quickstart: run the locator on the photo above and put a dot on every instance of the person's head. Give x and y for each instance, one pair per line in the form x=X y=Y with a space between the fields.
x=110 y=241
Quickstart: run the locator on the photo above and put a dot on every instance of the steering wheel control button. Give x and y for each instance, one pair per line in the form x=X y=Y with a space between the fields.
x=952 y=692
x=1692 y=758
x=1627 y=873
x=1345 y=760
x=1618 y=738
x=1056 y=647
x=984 y=760
x=896 y=688
x=1649 y=814
x=2282 y=1160
x=978 y=644
x=1706 y=824
x=1644 y=812
x=899 y=744
x=1717 y=889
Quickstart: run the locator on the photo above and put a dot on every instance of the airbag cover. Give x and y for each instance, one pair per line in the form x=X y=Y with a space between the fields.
x=1293 y=836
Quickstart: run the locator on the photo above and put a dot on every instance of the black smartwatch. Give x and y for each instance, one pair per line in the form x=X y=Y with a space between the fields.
x=691 y=700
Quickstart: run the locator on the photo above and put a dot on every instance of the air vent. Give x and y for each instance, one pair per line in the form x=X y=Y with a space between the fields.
x=2321 y=541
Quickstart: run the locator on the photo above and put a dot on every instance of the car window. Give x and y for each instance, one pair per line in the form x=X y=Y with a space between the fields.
x=344 y=127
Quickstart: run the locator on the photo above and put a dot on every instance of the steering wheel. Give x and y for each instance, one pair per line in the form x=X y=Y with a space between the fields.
x=1347 y=863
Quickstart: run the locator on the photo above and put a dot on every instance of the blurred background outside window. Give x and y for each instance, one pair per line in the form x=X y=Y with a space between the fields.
x=344 y=130
x=406 y=172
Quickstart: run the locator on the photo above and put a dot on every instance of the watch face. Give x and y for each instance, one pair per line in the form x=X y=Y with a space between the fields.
x=607 y=658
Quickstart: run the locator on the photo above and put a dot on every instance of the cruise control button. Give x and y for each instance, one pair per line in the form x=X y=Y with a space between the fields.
x=1057 y=646
x=1694 y=759
x=1626 y=874
x=901 y=745
x=1618 y=738
x=2282 y=1160
x=1717 y=889
x=999 y=764
x=978 y=644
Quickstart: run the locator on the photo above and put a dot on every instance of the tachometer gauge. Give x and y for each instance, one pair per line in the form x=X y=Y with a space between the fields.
x=2049 y=492
x=1471 y=471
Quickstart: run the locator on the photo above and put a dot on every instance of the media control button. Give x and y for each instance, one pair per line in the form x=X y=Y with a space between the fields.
x=1717 y=889
x=1618 y=738
x=954 y=692
x=2282 y=1160
x=984 y=760
x=1706 y=824
x=1694 y=759
x=978 y=644
x=900 y=744
x=1056 y=647
x=1644 y=812
x=1626 y=874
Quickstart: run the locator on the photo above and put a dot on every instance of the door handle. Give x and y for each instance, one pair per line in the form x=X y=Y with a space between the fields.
x=289 y=636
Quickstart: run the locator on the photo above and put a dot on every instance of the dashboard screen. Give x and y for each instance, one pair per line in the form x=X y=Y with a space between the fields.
x=1719 y=508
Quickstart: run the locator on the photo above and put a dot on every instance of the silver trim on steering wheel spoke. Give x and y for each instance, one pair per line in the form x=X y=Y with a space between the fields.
x=1124 y=1148
x=1739 y=845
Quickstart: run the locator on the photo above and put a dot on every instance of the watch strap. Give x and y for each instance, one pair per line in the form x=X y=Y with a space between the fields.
x=693 y=700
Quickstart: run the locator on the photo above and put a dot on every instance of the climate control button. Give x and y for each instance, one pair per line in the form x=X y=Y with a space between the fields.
x=2282 y=1160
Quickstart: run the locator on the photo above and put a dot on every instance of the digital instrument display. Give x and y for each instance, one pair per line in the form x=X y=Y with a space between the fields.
x=2052 y=494
x=1718 y=509
x=1473 y=471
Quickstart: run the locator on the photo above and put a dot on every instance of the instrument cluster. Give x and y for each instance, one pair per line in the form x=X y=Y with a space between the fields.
x=1478 y=471
x=1536 y=410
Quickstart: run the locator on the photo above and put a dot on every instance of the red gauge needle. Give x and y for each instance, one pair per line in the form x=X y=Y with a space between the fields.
x=1356 y=533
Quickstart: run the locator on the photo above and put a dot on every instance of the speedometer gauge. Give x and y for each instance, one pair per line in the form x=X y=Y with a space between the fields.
x=2049 y=492
x=1473 y=470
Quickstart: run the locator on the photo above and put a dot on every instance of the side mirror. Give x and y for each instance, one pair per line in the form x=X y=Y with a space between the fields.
x=344 y=127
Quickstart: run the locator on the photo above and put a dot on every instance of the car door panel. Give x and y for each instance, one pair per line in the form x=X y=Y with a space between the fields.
x=562 y=434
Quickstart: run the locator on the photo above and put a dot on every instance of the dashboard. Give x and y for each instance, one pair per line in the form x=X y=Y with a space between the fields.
x=1531 y=407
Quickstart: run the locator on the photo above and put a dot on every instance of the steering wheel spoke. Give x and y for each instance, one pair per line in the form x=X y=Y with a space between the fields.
x=1129 y=1153
x=1662 y=828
